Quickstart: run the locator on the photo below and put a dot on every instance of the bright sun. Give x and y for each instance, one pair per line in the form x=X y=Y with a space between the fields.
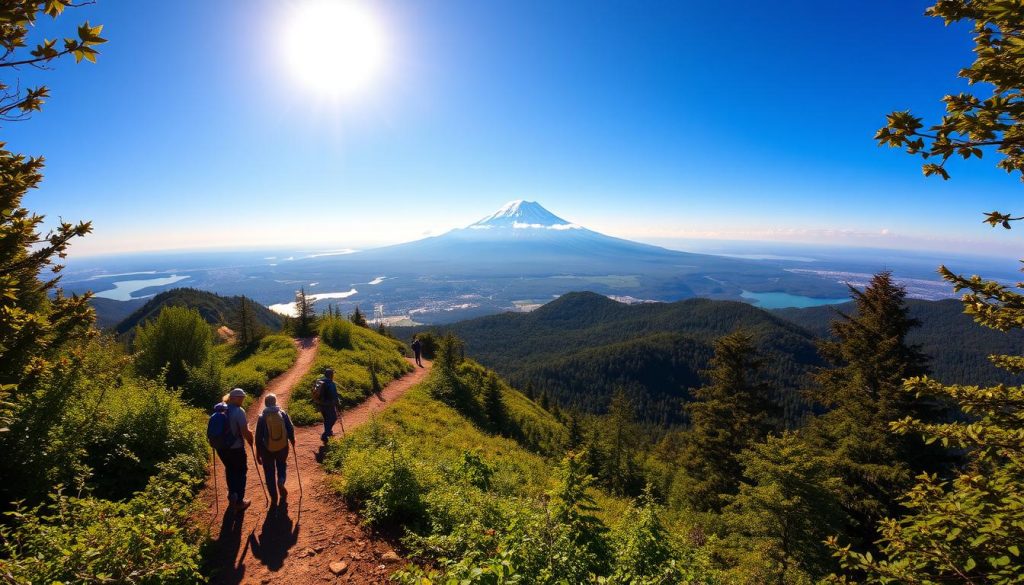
x=335 y=47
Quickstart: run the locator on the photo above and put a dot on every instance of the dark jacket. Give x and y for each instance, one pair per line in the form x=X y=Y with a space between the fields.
x=329 y=394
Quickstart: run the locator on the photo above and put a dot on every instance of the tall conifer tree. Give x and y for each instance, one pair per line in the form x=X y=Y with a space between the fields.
x=863 y=390
x=734 y=410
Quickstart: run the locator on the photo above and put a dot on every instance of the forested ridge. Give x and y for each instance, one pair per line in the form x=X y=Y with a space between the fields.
x=214 y=308
x=582 y=346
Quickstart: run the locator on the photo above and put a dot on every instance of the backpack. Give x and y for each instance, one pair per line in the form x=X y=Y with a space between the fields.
x=218 y=431
x=318 y=391
x=277 y=434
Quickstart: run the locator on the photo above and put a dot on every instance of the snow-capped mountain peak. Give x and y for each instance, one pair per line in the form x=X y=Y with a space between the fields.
x=522 y=215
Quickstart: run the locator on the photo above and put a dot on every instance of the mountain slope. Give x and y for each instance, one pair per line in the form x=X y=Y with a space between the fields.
x=214 y=308
x=110 y=312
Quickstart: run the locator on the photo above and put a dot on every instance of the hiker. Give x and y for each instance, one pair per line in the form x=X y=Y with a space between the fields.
x=228 y=436
x=329 y=401
x=417 y=349
x=274 y=431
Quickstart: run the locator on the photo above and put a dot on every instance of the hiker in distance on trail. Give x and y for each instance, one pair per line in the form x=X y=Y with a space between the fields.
x=325 y=395
x=417 y=350
x=274 y=431
x=228 y=432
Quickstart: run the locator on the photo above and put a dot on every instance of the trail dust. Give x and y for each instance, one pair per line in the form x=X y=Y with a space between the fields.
x=314 y=537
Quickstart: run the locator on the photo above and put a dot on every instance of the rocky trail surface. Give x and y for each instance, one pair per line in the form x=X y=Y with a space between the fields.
x=314 y=537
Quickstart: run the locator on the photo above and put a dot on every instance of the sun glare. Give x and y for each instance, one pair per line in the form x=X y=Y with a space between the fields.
x=336 y=48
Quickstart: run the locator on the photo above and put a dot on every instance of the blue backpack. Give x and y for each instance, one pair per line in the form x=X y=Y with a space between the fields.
x=218 y=431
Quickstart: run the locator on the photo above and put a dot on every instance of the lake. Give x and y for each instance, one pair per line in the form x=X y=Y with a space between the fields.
x=123 y=289
x=781 y=300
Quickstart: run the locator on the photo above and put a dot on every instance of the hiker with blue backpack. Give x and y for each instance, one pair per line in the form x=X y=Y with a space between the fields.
x=274 y=431
x=228 y=432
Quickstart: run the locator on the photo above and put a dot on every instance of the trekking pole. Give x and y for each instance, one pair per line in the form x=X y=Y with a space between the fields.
x=259 y=475
x=341 y=420
x=216 y=496
x=298 y=474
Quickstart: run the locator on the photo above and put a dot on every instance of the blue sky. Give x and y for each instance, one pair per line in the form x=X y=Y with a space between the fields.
x=653 y=121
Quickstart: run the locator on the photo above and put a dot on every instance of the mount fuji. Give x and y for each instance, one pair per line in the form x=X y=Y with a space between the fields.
x=522 y=238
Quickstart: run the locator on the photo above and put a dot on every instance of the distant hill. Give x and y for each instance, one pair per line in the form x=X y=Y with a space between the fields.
x=214 y=308
x=958 y=347
x=110 y=312
x=582 y=346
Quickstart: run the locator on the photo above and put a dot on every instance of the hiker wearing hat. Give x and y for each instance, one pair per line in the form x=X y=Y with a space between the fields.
x=329 y=402
x=232 y=454
x=274 y=431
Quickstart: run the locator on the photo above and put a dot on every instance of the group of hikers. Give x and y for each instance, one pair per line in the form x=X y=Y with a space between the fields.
x=228 y=433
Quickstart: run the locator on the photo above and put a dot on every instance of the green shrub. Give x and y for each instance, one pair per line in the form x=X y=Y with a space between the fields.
x=382 y=483
x=303 y=413
x=93 y=425
x=336 y=332
x=177 y=339
x=644 y=552
x=204 y=384
x=148 y=539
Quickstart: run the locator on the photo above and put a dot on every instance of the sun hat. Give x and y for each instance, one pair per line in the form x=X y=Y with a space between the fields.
x=270 y=399
x=237 y=393
x=328 y=370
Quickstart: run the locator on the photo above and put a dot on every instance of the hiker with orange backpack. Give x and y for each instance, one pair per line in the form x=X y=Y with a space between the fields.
x=274 y=431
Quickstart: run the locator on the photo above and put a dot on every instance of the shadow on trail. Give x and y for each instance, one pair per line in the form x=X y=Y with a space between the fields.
x=277 y=536
x=227 y=545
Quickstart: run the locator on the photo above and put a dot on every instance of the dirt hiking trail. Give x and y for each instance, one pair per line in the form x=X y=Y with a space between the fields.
x=312 y=539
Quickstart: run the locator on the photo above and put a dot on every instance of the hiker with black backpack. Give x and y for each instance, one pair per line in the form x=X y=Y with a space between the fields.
x=325 y=396
x=228 y=432
x=417 y=350
x=274 y=431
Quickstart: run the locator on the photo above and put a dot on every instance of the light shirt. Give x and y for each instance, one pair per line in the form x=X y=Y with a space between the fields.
x=238 y=425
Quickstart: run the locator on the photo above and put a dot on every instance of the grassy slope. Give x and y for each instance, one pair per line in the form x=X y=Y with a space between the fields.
x=250 y=370
x=351 y=371
x=434 y=436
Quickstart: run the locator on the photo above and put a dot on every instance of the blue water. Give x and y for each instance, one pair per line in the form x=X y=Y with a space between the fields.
x=123 y=289
x=781 y=300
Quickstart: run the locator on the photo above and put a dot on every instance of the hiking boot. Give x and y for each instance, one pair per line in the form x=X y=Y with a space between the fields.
x=281 y=490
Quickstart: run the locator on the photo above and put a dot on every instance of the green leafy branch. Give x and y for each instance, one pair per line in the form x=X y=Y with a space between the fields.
x=972 y=123
x=16 y=18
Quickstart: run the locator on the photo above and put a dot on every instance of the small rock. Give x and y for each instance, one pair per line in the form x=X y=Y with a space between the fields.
x=318 y=549
x=361 y=543
x=339 y=567
x=355 y=556
x=390 y=557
